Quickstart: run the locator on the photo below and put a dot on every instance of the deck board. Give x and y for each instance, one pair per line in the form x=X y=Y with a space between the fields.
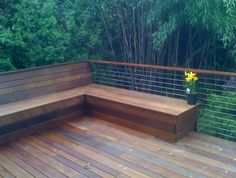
x=96 y=148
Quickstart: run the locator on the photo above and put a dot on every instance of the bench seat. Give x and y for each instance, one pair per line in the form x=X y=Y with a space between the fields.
x=148 y=101
x=24 y=117
x=166 y=118
x=28 y=104
x=38 y=98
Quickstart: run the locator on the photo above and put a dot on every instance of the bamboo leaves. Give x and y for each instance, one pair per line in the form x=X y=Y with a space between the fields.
x=194 y=33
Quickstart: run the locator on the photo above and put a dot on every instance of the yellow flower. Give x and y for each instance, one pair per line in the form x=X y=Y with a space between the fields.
x=192 y=75
x=186 y=73
x=195 y=78
x=188 y=79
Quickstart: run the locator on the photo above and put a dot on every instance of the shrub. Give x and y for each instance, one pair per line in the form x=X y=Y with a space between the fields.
x=218 y=117
x=6 y=65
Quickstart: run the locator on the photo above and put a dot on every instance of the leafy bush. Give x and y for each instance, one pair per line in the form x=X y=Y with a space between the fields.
x=218 y=117
x=6 y=65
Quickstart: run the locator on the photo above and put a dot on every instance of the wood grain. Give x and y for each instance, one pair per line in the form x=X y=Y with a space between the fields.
x=28 y=96
x=129 y=124
x=20 y=85
x=90 y=147
x=24 y=165
x=38 y=71
x=71 y=160
x=13 y=168
x=40 y=126
x=40 y=78
x=4 y=173
x=156 y=117
x=166 y=118
x=42 y=110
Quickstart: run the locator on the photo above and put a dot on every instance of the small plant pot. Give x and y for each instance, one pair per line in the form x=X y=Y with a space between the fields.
x=191 y=99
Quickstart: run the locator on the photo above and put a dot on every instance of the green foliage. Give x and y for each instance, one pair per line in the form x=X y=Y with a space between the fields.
x=165 y=14
x=217 y=16
x=6 y=65
x=219 y=118
x=34 y=32
x=188 y=28
x=43 y=39
x=194 y=33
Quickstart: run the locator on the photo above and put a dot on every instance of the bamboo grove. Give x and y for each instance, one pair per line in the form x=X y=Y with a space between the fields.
x=186 y=33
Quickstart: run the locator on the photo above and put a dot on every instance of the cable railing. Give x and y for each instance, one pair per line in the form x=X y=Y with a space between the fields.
x=216 y=90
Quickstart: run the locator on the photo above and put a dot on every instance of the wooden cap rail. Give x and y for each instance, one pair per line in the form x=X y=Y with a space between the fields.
x=42 y=67
x=199 y=71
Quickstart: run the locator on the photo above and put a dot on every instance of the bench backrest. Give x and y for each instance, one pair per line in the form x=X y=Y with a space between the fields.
x=24 y=84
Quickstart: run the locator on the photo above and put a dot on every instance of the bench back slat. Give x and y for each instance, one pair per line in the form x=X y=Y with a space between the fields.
x=19 y=85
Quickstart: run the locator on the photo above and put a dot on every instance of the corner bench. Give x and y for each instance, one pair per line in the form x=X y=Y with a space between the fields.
x=36 y=99
x=166 y=118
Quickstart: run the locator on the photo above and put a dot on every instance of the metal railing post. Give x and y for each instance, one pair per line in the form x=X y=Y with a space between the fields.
x=132 y=78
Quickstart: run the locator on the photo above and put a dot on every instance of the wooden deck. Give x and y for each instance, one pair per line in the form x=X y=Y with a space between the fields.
x=95 y=148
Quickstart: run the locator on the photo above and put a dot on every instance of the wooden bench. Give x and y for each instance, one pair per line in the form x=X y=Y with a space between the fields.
x=32 y=100
x=37 y=98
x=166 y=118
